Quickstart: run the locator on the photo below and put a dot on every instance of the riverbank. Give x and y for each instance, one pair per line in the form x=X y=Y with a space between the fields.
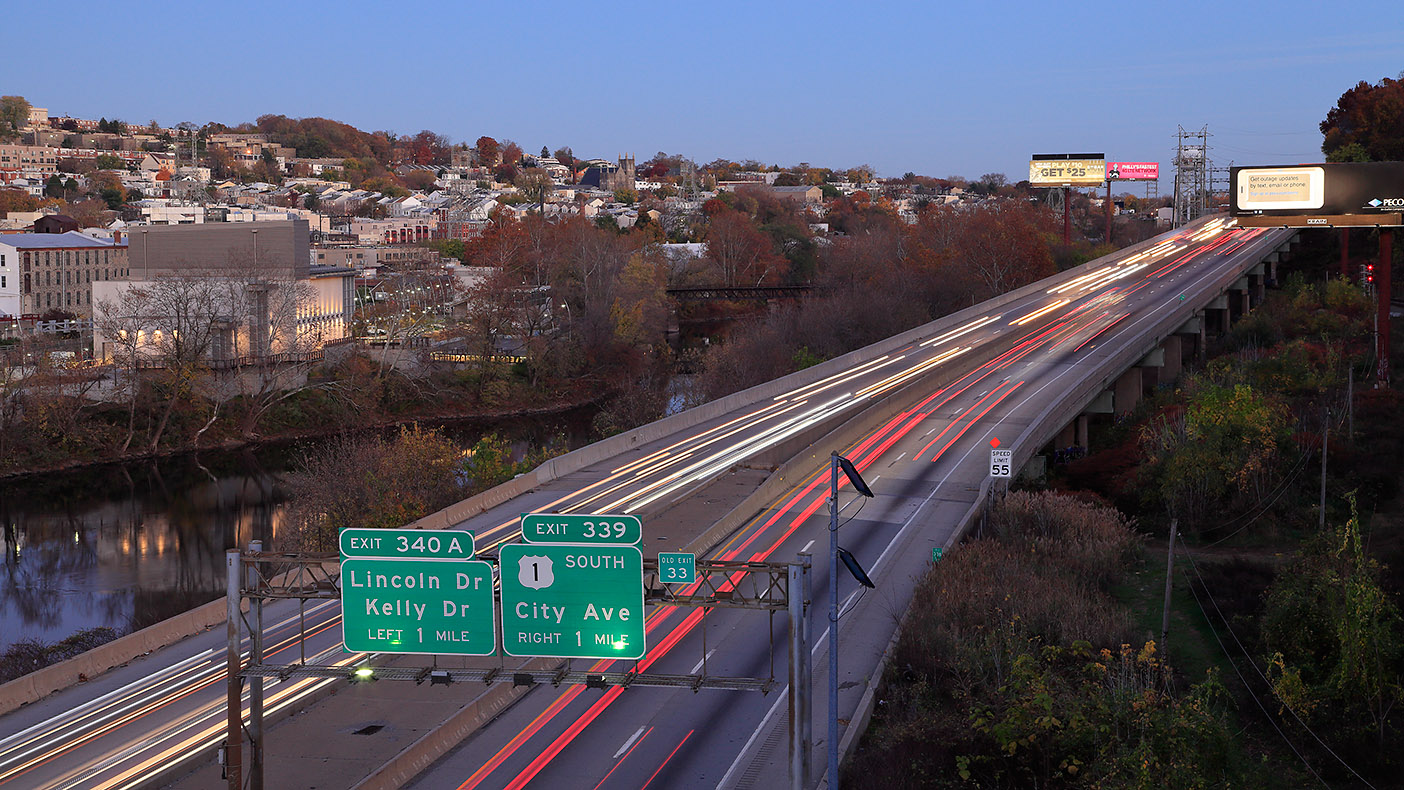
x=566 y=412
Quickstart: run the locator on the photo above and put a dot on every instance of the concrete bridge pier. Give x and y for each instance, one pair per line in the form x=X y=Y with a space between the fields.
x=1172 y=359
x=1194 y=330
x=1126 y=392
x=1257 y=283
x=1219 y=314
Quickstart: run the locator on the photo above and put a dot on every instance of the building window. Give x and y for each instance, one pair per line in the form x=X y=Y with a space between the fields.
x=48 y=300
x=48 y=278
x=26 y=283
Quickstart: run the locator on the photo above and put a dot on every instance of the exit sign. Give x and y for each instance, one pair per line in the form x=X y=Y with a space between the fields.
x=676 y=567
x=581 y=528
x=576 y=601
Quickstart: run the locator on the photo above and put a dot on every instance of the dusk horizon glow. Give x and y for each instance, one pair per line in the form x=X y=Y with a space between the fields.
x=904 y=87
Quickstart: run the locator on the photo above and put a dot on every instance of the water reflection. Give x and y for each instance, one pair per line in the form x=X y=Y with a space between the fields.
x=126 y=547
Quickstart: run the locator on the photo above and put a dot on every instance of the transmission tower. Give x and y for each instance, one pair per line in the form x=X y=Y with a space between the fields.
x=1219 y=187
x=1191 y=175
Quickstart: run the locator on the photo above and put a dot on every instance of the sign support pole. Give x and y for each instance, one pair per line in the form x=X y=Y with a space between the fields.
x=255 y=683
x=234 y=735
x=1067 y=216
x=1345 y=252
x=1109 y=211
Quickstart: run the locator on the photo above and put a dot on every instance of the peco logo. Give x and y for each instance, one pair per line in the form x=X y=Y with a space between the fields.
x=1386 y=203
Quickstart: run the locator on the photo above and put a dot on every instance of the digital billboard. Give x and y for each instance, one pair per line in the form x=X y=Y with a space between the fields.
x=1133 y=171
x=1067 y=170
x=1360 y=189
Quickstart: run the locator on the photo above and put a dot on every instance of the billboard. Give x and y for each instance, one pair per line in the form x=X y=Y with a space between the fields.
x=1337 y=189
x=1067 y=170
x=1133 y=171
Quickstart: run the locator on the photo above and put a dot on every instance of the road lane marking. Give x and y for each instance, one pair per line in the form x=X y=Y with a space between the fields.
x=632 y=738
x=699 y=665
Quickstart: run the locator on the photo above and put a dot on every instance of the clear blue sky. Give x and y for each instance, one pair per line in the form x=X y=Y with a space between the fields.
x=933 y=87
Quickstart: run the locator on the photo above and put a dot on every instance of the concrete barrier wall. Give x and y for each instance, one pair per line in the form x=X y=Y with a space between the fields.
x=41 y=683
x=607 y=448
x=1039 y=432
x=434 y=744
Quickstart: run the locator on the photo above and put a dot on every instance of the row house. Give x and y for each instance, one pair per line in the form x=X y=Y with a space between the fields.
x=464 y=218
x=47 y=271
x=407 y=230
x=27 y=161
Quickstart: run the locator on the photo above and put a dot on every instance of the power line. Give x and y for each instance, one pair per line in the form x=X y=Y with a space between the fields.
x=1246 y=687
x=1254 y=664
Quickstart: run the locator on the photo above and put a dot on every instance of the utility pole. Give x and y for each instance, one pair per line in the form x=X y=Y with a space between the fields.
x=833 y=621
x=1350 y=405
x=1383 y=289
x=1325 y=442
x=1165 y=615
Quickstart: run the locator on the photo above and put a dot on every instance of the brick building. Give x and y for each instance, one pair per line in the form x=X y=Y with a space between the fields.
x=47 y=271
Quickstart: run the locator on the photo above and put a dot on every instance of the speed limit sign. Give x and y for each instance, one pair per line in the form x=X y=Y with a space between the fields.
x=1001 y=462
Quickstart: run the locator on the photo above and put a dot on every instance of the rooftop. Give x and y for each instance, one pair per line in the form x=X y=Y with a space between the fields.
x=50 y=241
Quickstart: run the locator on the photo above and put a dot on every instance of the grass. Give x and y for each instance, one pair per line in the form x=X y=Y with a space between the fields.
x=1192 y=650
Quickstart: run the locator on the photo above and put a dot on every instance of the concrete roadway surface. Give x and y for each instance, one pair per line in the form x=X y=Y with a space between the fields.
x=125 y=726
x=926 y=466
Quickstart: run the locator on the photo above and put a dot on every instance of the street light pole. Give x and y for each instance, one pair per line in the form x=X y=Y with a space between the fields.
x=833 y=621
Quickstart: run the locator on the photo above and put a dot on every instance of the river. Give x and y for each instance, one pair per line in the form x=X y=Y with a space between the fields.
x=128 y=545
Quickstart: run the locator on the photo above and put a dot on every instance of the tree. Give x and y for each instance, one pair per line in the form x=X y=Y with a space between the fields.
x=741 y=253
x=567 y=157
x=14 y=114
x=114 y=198
x=109 y=162
x=511 y=153
x=545 y=152
x=1367 y=124
x=535 y=184
x=421 y=180
x=428 y=148
x=17 y=200
x=1335 y=640
x=489 y=152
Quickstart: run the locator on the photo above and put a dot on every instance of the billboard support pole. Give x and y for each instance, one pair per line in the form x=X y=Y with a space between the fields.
x=1067 y=216
x=1109 y=211
x=1345 y=252
x=1382 y=291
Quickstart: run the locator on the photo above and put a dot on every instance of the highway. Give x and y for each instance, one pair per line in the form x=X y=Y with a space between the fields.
x=926 y=465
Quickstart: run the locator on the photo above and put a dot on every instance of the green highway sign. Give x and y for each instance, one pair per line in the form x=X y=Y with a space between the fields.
x=572 y=601
x=581 y=528
x=439 y=544
x=417 y=606
x=675 y=567
x=936 y=554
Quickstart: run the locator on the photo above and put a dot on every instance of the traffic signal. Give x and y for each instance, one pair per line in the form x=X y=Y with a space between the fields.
x=1370 y=273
